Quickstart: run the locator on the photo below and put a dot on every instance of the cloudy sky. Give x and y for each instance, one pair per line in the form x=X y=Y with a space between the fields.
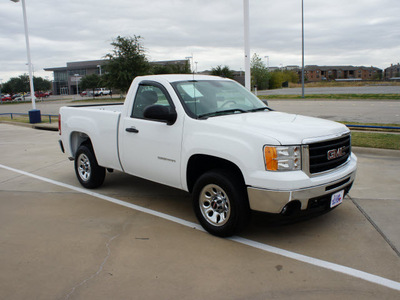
x=340 y=32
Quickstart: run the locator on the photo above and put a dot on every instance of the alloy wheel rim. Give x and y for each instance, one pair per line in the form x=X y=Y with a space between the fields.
x=84 y=168
x=214 y=205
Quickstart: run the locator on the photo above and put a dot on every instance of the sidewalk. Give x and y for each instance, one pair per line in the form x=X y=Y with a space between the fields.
x=376 y=191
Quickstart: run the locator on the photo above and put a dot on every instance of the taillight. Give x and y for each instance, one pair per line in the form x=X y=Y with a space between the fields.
x=59 y=124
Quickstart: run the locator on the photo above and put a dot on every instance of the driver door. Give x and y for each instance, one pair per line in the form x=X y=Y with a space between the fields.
x=148 y=148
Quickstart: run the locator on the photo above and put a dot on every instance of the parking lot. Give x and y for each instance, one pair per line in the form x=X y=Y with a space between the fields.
x=133 y=239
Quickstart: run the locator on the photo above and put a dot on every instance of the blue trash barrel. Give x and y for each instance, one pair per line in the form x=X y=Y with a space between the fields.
x=34 y=116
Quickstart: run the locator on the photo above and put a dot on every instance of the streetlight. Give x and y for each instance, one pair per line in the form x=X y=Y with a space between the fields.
x=34 y=114
x=77 y=84
x=302 y=49
x=267 y=57
x=246 y=44
x=99 y=66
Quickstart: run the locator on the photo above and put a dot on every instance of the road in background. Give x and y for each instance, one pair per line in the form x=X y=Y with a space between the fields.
x=362 y=111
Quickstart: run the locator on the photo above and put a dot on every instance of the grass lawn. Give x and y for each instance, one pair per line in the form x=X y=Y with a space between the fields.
x=376 y=140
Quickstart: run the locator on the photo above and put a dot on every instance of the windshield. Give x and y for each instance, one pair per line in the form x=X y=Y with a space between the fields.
x=207 y=98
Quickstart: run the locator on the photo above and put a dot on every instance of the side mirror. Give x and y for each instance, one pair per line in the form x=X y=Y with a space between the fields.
x=160 y=113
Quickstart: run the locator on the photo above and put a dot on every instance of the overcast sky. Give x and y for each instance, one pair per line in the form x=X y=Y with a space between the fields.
x=340 y=32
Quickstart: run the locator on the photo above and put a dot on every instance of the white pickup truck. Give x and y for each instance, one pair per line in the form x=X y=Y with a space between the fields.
x=213 y=138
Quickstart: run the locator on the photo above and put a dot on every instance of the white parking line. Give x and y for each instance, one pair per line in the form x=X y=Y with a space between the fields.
x=299 y=257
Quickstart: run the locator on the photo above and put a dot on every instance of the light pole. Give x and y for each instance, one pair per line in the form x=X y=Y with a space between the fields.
x=77 y=84
x=99 y=66
x=302 y=49
x=267 y=57
x=246 y=45
x=34 y=114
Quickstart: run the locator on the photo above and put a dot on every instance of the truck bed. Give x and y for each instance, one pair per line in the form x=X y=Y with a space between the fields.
x=100 y=122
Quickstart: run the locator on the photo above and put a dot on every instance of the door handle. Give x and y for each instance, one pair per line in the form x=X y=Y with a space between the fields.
x=131 y=129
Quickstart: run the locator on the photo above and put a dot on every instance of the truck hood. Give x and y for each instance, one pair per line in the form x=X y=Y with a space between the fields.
x=287 y=129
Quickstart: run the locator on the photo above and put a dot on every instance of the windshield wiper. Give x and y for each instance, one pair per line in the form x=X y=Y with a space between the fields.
x=259 y=109
x=221 y=112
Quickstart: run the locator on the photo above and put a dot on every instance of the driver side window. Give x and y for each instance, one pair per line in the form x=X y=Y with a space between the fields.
x=148 y=95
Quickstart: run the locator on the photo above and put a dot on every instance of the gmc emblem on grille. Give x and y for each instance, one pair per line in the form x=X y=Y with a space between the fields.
x=336 y=153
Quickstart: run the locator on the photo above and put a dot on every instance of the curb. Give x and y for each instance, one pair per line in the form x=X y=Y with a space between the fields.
x=49 y=127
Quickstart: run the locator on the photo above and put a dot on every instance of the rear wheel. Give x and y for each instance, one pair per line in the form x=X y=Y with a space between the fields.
x=220 y=203
x=88 y=172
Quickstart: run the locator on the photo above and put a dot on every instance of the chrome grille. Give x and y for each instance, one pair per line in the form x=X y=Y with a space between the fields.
x=327 y=155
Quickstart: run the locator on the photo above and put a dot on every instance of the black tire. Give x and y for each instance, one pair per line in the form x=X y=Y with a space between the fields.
x=220 y=203
x=88 y=172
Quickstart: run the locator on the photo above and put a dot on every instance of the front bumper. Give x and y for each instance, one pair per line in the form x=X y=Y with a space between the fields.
x=274 y=201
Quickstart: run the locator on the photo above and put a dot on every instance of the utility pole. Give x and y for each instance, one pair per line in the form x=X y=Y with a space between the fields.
x=302 y=49
x=247 y=74
x=34 y=114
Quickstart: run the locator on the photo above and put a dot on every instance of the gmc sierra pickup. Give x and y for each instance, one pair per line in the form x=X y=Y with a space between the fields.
x=216 y=140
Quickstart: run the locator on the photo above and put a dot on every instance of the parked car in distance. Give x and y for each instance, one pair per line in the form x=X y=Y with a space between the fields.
x=6 y=97
x=39 y=94
x=102 y=92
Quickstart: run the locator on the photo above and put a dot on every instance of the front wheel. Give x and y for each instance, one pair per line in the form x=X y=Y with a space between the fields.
x=88 y=172
x=220 y=203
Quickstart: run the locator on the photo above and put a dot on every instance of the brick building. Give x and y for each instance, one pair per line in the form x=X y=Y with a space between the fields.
x=319 y=73
x=392 y=72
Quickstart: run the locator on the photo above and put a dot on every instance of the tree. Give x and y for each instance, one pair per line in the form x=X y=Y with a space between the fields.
x=20 y=84
x=259 y=73
x=280 y=76
x=171 y=69
x=127 y=61
x=41 y=84
x=222 y=71
x=90 y=82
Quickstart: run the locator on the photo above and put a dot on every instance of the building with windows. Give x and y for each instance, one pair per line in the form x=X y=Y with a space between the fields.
x=66 y=79
x=392 y=72
x=319 y=73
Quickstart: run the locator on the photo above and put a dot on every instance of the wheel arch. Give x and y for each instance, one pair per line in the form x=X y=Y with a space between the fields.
x=77 y=139
x=198 y=164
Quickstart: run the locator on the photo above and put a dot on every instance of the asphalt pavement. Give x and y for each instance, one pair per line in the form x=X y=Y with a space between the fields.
x=134 y=239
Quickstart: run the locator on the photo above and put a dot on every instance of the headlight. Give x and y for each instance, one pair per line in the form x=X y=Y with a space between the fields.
x=282 y=158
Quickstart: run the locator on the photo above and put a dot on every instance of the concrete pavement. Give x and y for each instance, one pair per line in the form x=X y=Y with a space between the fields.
x=60 y=243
